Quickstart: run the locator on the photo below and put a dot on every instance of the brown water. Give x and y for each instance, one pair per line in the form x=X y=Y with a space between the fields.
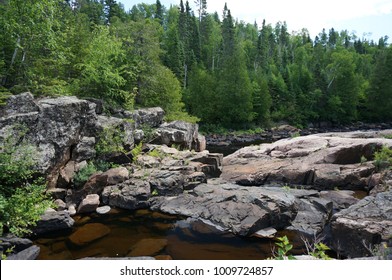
x=146 y=233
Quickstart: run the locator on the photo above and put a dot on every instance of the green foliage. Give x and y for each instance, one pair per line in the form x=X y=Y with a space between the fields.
x=383 y=158
x=388 y=136
x=110 y=141
x=156 y=153
x=137 y=151
x=284 y=247
x=84 y=173
x=17 y=159
x=23 y=208
x=320 y=251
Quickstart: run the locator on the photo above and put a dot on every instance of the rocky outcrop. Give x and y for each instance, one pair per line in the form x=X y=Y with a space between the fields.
x=321 y=161
x=231 y=207
x=358 y=228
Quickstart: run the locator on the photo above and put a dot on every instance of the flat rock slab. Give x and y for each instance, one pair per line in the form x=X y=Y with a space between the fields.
x=322 y=161
x=89 y=233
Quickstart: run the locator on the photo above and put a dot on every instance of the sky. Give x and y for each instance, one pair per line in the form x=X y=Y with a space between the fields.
x=370 y=19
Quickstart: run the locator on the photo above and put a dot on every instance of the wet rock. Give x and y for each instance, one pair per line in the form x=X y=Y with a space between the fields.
x=31 y=253
x=231 y=207
x=131 y=195
x=88 y=233
x=53 y=221
x=363 y=225
x=147 y=247
x=89 y=204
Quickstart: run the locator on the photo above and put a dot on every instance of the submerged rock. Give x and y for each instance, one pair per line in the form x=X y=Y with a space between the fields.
x=89 y=233
x=147 y=247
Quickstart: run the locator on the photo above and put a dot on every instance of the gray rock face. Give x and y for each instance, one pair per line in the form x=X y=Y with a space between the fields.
x=178 y=133
x=132 y=194
x=362 y=225
x=15 y=243
x=53 y=221
x=19 y=104
x=238 y=209
x=322 y=161
x=152 y=117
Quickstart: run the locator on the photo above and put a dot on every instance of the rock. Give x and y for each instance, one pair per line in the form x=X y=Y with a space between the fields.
x=30 y=253
x=240 y=210
x=89 y=204
x=147 y=247
x=200 y=143
x=103 y=210
x=19 y=104
x=363 y=225
x=88 y=233
x=116 y=175
x=66 y=175
x=265 y=233
x=61 y=206
x=167 y=183
x=72 y=210
x=341 y=199
x=131 y=195
x=194 y=179
x=313 y=214
x=84 y=150
x=152 y=117
x=178 y=133
x=321 y=161
x=211 y=163
x=16 y=244
x=52 y=221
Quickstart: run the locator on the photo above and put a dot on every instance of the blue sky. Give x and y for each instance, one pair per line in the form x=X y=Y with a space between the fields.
x=371 y=19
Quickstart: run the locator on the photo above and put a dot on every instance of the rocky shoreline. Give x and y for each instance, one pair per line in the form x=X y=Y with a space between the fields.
x=303 y=184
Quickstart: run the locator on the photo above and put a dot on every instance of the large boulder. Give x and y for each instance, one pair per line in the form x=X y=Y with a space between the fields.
x=358 y=228
x=152 y=117
x=52 y=221
x=179 y=133
x=321 y=161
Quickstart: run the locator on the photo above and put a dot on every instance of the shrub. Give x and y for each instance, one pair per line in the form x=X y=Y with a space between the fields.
x=84 y=173
x=284 y=246
x=383 y=158
x=137 y=151
x=110 y=141
x=23 y=208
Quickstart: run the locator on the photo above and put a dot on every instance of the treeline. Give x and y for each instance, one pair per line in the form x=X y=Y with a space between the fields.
x=226 y=73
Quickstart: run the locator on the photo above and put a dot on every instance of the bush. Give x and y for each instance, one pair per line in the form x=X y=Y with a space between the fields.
x=84 y=173
x=16 y=159
x=23 y=208
x=383 y=158
x=110 y=141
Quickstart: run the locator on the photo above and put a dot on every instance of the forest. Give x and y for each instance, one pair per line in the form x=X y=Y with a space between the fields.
x=197 y=66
